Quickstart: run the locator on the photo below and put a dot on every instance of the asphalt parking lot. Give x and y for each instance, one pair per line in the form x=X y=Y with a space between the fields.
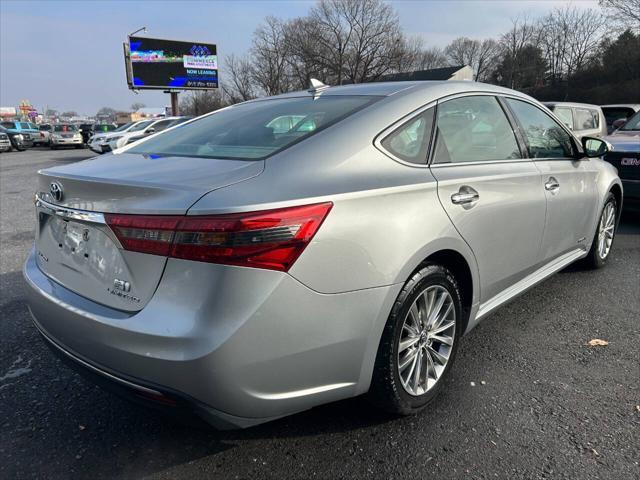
x=528 y=397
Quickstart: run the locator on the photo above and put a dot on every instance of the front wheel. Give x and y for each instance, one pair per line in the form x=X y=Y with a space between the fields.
x=419 y=342
x=605 y=231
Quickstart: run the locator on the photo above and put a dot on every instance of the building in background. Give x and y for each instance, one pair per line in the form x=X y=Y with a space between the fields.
x=141 y=114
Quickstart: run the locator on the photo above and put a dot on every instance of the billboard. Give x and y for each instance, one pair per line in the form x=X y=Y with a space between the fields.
x=153 y=63
x=8 y=111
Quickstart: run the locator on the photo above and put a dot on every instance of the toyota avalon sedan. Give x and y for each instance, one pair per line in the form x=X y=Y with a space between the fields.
x=246 y=272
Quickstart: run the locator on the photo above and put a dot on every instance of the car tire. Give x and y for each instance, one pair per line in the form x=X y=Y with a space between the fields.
x=389 y=390
x=607 y=222
x=21 y=149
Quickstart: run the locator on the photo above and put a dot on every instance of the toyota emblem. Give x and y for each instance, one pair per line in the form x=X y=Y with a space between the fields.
x=56 y=191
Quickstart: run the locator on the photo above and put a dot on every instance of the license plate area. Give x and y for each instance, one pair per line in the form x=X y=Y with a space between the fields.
x=79 y=251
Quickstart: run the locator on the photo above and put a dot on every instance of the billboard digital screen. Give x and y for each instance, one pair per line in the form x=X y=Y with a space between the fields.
x=153 y=63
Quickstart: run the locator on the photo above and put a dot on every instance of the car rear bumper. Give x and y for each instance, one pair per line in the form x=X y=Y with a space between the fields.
x=239 y=346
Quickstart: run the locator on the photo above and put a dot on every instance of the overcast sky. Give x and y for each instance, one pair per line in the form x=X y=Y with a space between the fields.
x=67 y=55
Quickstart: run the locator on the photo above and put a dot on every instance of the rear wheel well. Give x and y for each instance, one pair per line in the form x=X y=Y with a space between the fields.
x=459 y=267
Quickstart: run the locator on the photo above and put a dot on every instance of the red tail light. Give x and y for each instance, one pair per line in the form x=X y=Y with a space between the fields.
x=271 y=239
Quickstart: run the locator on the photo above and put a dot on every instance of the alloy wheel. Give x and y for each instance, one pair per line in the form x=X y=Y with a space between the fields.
x=606 y=230
x=426 y=340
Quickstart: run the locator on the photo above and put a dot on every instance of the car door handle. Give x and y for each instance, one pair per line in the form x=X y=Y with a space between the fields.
x=552 y=184
x=465 y=196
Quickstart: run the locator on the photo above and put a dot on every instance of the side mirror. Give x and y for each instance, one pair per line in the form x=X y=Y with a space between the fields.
x=595 y=147
x=618 y=123
x=151 y=130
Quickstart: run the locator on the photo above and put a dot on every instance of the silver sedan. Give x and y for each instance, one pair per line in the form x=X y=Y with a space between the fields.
x=300 y=249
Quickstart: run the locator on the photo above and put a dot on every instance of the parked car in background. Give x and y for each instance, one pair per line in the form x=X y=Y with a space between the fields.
x=625 y=156
x=99 y=142
x=19 y=141
x=245 y=274
x=65 y=135
x=153 y=128
x=45 y=134
x=104 y=127
x=617 y=115
x=27 y=128
x=582 y=118
x=5 y=142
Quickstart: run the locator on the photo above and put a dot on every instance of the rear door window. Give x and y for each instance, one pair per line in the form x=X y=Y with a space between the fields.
x=473 y=129
x=586 y=119
x=410 y=141
x=545 y=138
x=564 y=114
x=25 y=125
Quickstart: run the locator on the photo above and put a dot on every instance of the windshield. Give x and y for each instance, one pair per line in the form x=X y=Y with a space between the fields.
x=45 y=128
x=141 y=126
x=65 y=128
x=633 y=123
x=254 y=130
x=123 y=127
x=105 y=127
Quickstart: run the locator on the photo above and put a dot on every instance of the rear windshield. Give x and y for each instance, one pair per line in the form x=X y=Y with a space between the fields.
x=141 y=126
x=65 y=128
x=104 y=128
x=123 y=127
x=253 y=131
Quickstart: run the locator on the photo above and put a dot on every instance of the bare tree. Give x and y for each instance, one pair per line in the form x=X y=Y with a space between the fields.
x=269 y=57
x=514 y=45
x=429 y=58
x=137 y=106
x=201 y=102
x=479 y=55
x=569 y=38
x=357 y=40
x=239 y=87
x=624 y=12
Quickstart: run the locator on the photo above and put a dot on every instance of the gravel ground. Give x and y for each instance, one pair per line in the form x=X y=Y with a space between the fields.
x=527 y=398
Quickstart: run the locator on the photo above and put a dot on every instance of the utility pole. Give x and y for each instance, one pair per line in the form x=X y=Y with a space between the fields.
x=174 y=104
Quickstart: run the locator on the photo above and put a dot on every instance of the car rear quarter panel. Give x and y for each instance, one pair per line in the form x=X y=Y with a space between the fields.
x=385 y=221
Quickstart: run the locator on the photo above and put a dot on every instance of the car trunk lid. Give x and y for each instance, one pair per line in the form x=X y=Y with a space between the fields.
x=76 y=247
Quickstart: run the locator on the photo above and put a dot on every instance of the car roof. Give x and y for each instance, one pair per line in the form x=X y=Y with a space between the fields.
x=634 y=106
x=570 y=104
x=387 y=89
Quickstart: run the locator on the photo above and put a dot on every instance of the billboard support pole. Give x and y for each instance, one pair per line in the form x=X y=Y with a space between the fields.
x=174 y=104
